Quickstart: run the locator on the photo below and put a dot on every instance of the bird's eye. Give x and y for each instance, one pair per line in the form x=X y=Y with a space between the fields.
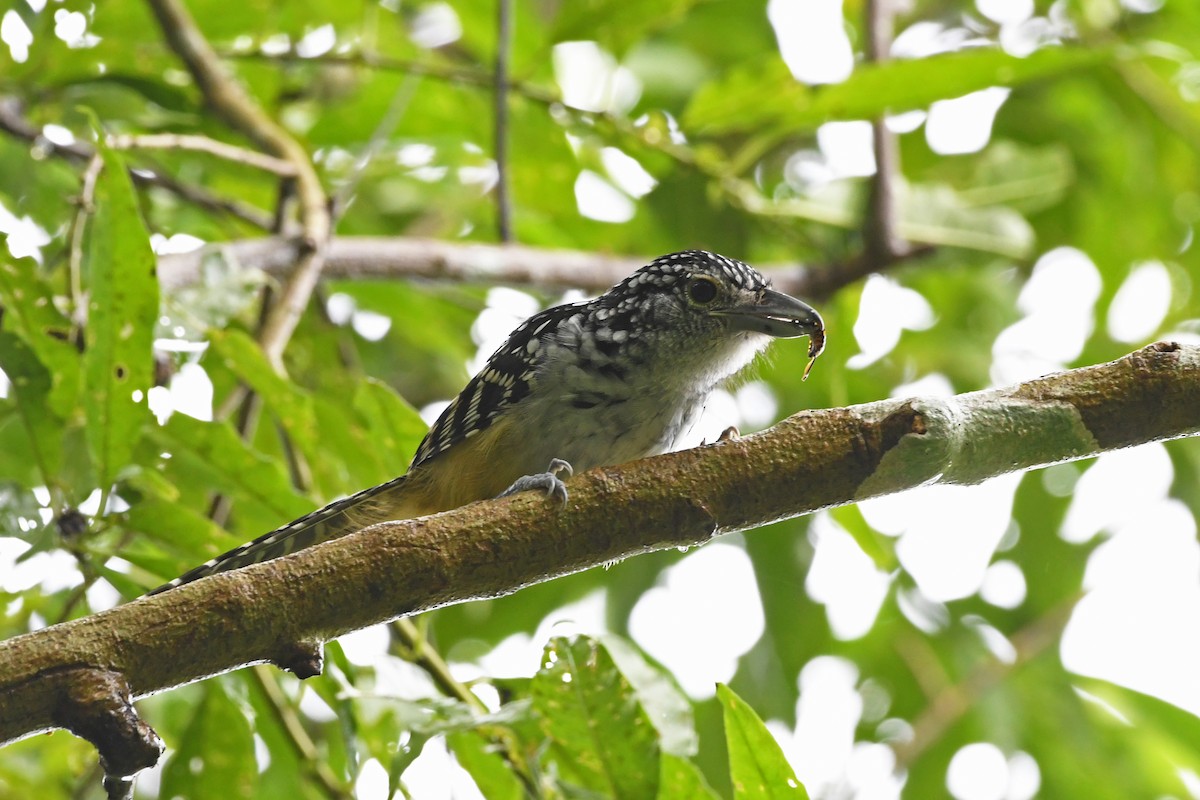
x=702 y=291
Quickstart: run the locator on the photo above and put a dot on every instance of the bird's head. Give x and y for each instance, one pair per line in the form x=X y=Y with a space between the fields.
x=715 y=298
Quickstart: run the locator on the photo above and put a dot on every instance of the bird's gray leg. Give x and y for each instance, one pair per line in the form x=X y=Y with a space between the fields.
x=547 y=481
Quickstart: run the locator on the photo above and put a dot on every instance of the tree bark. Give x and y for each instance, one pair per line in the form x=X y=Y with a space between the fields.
x=282 y=611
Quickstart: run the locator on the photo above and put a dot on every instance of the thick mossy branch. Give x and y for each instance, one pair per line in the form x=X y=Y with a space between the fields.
x=279 y=610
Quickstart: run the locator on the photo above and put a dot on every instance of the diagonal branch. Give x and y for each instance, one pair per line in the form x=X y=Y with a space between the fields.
x=282 y=610
x=231 y=102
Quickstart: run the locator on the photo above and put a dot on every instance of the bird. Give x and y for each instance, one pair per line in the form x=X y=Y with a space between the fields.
x=580 y=385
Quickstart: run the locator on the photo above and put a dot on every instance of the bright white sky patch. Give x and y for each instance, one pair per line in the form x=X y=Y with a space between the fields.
x=848 y=148
x=600 y=200
x=698 y=633
x=626 y=172
x=71 y=27
x=949 y=533
x=1003 y=585
x=1134 y=625
x=1005 y=11
x=1141 y=304
x=316 y=42
x=979 y=771
x=820 y=747
x=1058 y=301
x=592 y=80
x=436 y=25
x=812 y=39
x=24 y=237
x=964 y=124
x=932 y=385
x=1116 y=487
x=844 y=579
x=885 y=310
x=16 y=34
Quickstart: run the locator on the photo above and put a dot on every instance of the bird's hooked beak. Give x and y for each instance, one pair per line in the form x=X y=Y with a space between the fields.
x=782 y=316
x=775 y=314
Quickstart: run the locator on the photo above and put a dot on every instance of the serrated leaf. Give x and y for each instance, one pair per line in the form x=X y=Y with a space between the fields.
x=765 y=95
x=602 y=738
x=31 y=389
x=122 y=311
x=485 y=765
x=757 y=766
x=215 y=757
x=30 y=313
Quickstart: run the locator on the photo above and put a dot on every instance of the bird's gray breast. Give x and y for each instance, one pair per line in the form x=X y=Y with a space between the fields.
x=617 y=398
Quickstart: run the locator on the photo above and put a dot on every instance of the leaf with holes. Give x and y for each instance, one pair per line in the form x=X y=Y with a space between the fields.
x=757 y=766
x=601 y=737
x=30 y=389
x=122 y=311
x=30 y=313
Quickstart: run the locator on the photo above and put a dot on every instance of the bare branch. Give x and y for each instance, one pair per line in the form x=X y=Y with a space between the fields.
x=387 y=258
x=812 y=460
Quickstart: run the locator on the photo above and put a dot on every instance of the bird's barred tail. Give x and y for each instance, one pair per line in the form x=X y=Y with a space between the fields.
x=330 y=522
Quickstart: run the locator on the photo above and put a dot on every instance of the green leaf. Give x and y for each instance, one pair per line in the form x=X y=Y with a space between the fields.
x=290 y=404
x=122 y=311
x=29 y=312
x=213 y=454
x=31 y=388
x=680 y=779
x=930 y=214
x=215 y=758
x=489 y=770
x=616 y=24
x=757 y=765
x=666 y=705
x=393 y=426
x=765 y=95
x=602 y=738
x=1165 y=730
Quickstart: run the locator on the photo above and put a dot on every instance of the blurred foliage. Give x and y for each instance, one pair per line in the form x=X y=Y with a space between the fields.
x=1097 y=147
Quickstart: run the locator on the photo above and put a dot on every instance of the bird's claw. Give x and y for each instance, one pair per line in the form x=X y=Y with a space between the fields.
x=547 y=481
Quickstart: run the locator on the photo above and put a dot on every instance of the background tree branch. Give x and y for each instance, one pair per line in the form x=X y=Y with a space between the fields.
x=282 y=611
x=386 y=258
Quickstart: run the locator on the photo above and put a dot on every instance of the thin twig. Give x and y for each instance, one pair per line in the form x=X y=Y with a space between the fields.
x=421 y=653
x=500 y=119
x=379 y=137
x=308 y=755
x=203 y=144
x=231 y=102
x=87 y=206
x=953 y=701
x=880 y=239
x=15 y=124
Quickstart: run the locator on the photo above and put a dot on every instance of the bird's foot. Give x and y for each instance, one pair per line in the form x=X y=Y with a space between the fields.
x=547 y=481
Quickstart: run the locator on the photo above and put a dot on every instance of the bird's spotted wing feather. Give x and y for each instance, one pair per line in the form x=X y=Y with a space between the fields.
x=507 y=379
